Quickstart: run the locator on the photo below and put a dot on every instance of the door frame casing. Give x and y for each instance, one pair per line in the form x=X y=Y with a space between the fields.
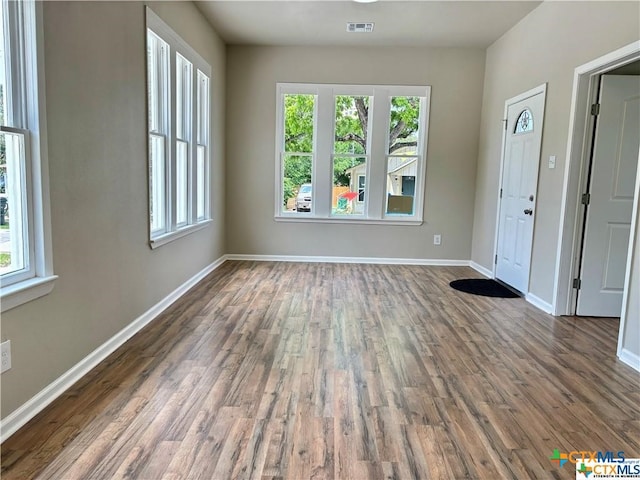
x=581 y=128
x=540 y=89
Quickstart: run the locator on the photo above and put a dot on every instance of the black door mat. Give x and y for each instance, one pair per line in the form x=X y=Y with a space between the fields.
x=483 y=286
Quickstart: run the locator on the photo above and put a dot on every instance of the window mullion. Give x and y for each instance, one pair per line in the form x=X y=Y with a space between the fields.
x=193 y=149
x=170 y=180
x=201 y=143
x=376 y=169
x=425 y=107
x=322 y=160
x=29 y=204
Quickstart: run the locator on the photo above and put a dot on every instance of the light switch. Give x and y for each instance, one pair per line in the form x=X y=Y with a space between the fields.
x=552 y=161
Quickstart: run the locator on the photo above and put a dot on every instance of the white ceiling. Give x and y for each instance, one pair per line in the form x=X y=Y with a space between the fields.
x=448 y=23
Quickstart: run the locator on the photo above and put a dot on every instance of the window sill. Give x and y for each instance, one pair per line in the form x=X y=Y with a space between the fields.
x=350 y=221
x=170 y=237
x=23 y=292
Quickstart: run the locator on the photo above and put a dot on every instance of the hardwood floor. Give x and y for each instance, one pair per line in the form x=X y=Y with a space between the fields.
x=299 y=371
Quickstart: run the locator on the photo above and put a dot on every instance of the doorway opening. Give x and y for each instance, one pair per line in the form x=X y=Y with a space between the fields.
x=578 y=178
x=609 y=193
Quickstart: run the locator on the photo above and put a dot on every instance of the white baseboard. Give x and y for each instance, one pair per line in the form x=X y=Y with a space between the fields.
x=539 y=303
x=630 y=359
x=363 y=260
x=19 y=417
x=480 y=269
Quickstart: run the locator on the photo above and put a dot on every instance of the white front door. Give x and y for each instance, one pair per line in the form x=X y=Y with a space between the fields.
x=523 y=138
x=613 y=174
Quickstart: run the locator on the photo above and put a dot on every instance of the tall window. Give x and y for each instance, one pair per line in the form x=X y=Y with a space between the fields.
x=178 y=89
x=351 y=152
x=296 y=151
x=25 y=238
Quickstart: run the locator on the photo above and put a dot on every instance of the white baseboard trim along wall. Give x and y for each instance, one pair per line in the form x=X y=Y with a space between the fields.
x=480 y=269
x=42 y=399
x=630 y=359
x=539 y=303
x=362 y=260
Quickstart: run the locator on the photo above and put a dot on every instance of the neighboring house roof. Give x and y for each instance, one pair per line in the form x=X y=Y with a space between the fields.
x=402 y=166
x=393 y=170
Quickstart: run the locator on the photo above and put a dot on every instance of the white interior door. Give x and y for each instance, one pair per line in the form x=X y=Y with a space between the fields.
x=523 y=139
x=613 y=173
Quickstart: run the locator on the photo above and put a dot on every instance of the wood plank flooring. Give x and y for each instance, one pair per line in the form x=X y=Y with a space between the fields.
x=301 y=371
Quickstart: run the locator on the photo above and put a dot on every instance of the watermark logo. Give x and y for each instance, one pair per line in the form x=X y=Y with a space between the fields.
x=582 y=471
x=600 y=465
x=628 y=469
x=576 y=457
x=559 y=458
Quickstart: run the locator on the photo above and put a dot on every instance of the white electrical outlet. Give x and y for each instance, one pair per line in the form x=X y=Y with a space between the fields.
x=437 y=239
x=5 y=356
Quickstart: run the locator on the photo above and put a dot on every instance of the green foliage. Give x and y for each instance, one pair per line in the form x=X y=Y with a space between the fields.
x=351 y=124
x=403 y=128
x=298 y=123
x=5 y=259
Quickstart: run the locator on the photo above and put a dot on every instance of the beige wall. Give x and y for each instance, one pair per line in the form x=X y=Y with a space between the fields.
x=455 y=76
x=545 y=46
x=96 y=116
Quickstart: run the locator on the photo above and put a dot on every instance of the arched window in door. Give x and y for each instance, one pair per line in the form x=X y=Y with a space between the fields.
x=525 y=122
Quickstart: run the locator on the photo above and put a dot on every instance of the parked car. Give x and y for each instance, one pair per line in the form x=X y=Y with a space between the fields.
x=303 y=200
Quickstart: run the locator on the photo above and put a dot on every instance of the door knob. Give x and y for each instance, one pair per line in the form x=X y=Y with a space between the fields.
x=528 y=211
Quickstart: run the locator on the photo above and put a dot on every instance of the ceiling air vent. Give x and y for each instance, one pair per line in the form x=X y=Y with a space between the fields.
x=365 y=27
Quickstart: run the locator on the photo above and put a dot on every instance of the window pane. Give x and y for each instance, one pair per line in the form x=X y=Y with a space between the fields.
x=184 y=97
x=525 y=122
x=152 y=81
x=298 y=123
x=157 y=183
x=296 y=185
x=157 y=81
x=401 y=184
x=351 y=124
x=14 y=236
x=201 y=194
x=348 y=196
x=182 y=185
x=404 y=126
x=203 y=109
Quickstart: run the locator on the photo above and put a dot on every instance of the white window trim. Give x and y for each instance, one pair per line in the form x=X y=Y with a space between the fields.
x=35 y=116
x=375 y=192
x=160 y=240
x=179 y=46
